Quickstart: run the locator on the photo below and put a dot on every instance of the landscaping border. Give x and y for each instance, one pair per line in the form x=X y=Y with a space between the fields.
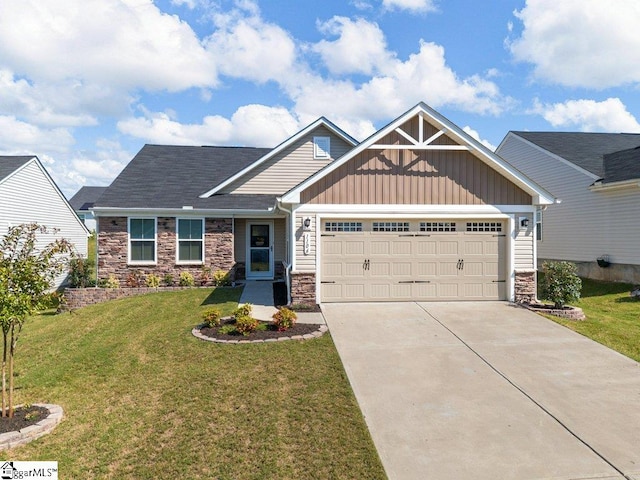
x=318 y=333
x=570 y=313
x=28 y=434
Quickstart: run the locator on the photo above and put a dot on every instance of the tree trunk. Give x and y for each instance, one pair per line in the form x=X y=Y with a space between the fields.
x=4 y=374
x=11 y=352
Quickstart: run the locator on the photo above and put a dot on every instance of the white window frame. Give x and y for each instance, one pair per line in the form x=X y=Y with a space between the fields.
x=321 y=147
x=188 y=262
x=539 y=230
x=155 y=242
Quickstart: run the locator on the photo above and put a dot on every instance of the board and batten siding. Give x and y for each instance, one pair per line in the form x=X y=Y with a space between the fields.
x=586 y=224
x=415 y=177
x=29 y=197
x=289 y=167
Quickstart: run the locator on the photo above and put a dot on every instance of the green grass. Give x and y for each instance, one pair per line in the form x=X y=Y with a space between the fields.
x=145 y=399
x=613 y=317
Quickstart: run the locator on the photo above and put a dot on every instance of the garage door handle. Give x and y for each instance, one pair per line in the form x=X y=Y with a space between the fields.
x=366 y=265
x=461 y=264
x=498 y=281
x=329 y=282
x=422 y=281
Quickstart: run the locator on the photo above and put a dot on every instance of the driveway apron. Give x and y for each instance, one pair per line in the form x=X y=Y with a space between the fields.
x=486 y=390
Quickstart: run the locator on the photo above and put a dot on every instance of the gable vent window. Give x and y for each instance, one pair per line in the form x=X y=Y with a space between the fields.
x=321 y=147
x=437 y=226
x=484 y=226
x=142 y=240
x=343 y=226
x=390 y=226
x=190 y=240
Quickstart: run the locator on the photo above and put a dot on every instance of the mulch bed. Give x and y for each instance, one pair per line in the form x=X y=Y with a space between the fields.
x=20 y=420
x=270 y=332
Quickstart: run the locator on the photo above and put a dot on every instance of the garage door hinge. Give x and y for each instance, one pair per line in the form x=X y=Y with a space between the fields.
x=326 y=235
x=501 y=235
x=329 y=282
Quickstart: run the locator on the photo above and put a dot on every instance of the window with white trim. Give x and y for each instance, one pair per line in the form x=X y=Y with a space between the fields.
x=343 y=226
x=321 y=147
x=390 y=226
x=190 y=232
x=539 y=224
x=484 y=226
x=437 y=226
x=142 y=240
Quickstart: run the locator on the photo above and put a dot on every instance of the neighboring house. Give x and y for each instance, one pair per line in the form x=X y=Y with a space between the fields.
x=28 y=194
x=83 y=201
x=418 y=211
x=597 y=178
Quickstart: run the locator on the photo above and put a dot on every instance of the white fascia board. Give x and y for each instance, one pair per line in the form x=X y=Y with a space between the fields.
x=409 y=211
x=621 y=185
x=483 y=153
x=180 y=212
x=308 y=129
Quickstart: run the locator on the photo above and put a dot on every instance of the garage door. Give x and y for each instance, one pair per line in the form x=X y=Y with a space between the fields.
x=396 y=261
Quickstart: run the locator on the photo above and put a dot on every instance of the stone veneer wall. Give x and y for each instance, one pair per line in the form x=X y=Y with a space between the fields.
x=525 y=290
x=75 y=298
x=113 y=245
x=303 y=288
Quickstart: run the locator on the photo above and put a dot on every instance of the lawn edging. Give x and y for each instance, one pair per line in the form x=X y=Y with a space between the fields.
x=28 y=434
x=318 y=333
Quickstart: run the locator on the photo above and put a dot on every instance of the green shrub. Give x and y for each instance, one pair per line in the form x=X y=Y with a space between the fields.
x=228 y=329
x=168 y=280
x=186 y=279
x=153 y=280
x=246 y=324
x=80 y=272
x=560 y=284
x=221 y=278
x=211 y=317
x=112 y=282
x=243 y=311
x=284 y=319
x=205 y=275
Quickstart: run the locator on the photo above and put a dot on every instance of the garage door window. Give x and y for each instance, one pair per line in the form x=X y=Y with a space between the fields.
x=437 y=226
x=343 y=226
x=484 y=227
x=390 y=226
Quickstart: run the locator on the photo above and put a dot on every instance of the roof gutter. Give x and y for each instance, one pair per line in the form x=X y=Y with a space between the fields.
x=177 y=212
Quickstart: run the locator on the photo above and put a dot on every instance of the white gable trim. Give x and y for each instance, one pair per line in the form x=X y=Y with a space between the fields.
x=539 y=195
x=548 y=153
x=321 y=122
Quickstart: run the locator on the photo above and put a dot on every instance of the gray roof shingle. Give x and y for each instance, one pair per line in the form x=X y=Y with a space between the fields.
x=9 y=164
x=86 y=197
x=586 y=150
x=162 y=176
x=622 y=165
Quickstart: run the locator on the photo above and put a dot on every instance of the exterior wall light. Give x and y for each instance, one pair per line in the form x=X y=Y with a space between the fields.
x=524 y=222
x=306 y=223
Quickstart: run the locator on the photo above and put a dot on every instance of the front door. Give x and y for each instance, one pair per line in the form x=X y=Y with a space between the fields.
x=260 y=249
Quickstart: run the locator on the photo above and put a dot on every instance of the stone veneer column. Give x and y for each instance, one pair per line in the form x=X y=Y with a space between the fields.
x=525 y=290
x=303 y=288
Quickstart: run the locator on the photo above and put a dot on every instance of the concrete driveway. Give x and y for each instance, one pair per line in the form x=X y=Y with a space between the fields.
x=487 y=390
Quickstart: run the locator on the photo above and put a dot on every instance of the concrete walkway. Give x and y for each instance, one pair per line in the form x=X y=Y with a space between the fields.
x=488 y=391
x=260 y=295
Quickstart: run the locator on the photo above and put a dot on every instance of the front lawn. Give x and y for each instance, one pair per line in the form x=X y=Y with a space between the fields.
x=145 y=399
x=613 y=317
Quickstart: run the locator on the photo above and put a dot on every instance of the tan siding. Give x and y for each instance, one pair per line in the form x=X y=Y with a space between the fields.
x=240 y=239
x=415 y=177
x=279 y=240
x=523 y=245
x=305 y=263
x=290 y=167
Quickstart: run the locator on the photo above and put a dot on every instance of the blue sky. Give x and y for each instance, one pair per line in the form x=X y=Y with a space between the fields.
x=84 y=84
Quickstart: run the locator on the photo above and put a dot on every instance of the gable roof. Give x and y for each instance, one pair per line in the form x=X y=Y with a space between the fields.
x=622 y=165
x=466 y=142
x=322 y=121
x=585 y=150
x=170 y=177
x=86 y=197
x=9 y=164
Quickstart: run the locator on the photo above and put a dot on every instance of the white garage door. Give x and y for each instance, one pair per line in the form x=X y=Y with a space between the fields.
x=409 y=260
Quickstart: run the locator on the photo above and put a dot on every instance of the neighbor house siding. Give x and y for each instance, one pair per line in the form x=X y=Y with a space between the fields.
x=586 y=224
x=408 y=177
x=289 y=167
x=28 y=196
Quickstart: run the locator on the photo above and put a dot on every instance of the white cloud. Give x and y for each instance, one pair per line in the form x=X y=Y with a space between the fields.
x=120 y=43
x=415 y=6
x=475 y=135
x=360 y=47
x=581 y=43
x=610 y=115
x=250 y=125
x=21 y=138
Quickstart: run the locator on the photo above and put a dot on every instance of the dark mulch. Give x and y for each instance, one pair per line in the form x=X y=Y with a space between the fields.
x=270 y=332
x=22 y=418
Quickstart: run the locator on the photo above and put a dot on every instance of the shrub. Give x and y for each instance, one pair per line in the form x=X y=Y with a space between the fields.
x=134 y=280
x=284 y=319
x=186 y=279
x=211 y=317
x=243 y=311
x=168 y=280
x=80 y=272
x=246 y=324
x=112 y=282
x=153 y=280
x=221 y=278
x=205 y=275
x=227 y=330
x=560 y=284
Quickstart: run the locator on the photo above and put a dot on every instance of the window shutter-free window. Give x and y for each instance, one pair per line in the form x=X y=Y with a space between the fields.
x=142 y=239
x=190 y=240
x=321 y=147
